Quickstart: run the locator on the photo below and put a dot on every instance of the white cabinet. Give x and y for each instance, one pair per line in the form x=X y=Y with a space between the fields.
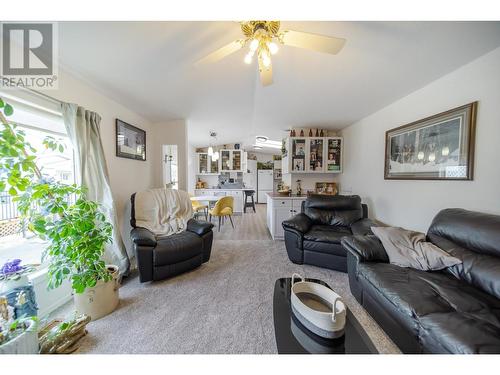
x=232 y=160
x=206 y=165
x=280 y=209
x=312 y=155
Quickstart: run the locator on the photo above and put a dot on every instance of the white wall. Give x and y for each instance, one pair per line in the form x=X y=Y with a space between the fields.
x=413 y=204
x=169 y=133
x=126 y=175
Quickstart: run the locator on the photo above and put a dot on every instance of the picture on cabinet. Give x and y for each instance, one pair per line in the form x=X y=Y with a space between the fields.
x=298 y=165
x=334 y=155
x=316 y=155
x=298 y=154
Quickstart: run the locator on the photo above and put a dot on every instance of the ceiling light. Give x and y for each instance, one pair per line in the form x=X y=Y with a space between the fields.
x=266 y=60
x=254 y=44
x=273 y=48
x=420 y=155
x=248 y=58
x=445 y=151
x=210 y=151
x=261 y=138
x=215 y=156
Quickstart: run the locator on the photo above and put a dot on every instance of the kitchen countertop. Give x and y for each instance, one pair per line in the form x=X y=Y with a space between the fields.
x=279 y=196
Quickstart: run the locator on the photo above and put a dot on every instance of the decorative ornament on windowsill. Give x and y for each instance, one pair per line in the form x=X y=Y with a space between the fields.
x=14 y=275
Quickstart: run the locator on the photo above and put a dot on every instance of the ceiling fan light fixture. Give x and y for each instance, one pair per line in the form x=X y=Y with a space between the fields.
x=255 y=147
x=254 y=44
x=273 y=48
x=248 y=58
x=261 y=138
x=266 y=60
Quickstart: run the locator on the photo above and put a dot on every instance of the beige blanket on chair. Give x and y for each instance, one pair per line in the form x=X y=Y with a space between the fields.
x=163 y=211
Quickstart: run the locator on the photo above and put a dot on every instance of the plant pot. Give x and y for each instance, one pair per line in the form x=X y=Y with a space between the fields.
x=25 y=343
x=100 y=300
x=8 y=285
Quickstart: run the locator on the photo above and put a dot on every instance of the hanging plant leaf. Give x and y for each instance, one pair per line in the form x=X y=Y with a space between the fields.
x=1 y=103
x=8 y=110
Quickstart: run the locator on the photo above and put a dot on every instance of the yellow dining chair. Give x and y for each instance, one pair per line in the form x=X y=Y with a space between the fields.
x=198 y=206
x=223 y=208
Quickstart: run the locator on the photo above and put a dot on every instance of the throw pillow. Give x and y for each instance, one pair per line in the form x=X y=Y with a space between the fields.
x=407 y=248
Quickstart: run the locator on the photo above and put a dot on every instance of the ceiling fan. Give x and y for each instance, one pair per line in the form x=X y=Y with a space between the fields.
x=261 y=37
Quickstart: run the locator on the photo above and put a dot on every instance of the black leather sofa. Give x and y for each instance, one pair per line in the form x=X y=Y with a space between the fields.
x=159 y=259
x=456 y=310
x=313 y=236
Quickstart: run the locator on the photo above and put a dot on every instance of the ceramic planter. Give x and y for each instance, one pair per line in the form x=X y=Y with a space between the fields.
x=100 y=300
x=318 y=308
x=25 y=343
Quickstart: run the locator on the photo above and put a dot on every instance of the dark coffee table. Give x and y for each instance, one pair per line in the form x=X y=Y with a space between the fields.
x=293 y=338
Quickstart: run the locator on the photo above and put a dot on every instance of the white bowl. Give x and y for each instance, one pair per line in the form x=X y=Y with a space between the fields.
x=318 y=308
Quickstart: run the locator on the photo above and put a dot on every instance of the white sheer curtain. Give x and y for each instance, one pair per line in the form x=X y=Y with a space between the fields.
x=91 y=171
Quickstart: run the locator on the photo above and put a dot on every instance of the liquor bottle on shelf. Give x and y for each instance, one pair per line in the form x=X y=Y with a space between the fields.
x=321 y=134
x=291 y=132
x=301 y=132
x=317 y=133
x=310 y=132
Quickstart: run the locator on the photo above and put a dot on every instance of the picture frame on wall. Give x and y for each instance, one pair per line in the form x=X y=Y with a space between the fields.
x=130 y=141
x=439 y=147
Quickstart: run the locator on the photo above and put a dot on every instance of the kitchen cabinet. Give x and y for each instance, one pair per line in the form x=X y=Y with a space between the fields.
x=206 y=165
x=233 y=160
x=280 y=209
x=312 y=155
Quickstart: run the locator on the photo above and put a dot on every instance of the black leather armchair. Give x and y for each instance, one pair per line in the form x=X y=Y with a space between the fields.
x=161 y=258
x=455 y=310
x=313 y=236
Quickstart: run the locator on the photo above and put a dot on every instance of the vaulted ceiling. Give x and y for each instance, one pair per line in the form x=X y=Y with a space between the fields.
x=148 y=66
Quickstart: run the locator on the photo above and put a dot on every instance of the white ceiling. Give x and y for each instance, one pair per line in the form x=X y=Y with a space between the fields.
x=148 y=66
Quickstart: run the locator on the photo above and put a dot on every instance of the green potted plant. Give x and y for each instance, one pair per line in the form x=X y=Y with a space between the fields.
x=75 y=227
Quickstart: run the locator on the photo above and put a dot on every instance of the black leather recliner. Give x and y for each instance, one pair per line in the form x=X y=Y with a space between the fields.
x=161 y=258
x=313 y=236
x=456 y=310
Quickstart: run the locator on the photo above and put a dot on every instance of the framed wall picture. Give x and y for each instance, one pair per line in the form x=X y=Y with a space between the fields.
x=130 y=141
x=326 y=188
x=440 y=147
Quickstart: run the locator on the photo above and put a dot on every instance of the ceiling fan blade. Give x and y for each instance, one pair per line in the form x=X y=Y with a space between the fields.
x=222 y=52
x=266 y=74
x=315 y=42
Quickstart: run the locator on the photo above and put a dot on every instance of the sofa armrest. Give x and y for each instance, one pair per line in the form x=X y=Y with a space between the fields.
x=363 y=227
x=199 y=227
x=300 y=223
x=365 y=248
x=142 y=237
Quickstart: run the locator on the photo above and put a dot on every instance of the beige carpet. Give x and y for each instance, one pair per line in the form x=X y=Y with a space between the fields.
x=225 y=306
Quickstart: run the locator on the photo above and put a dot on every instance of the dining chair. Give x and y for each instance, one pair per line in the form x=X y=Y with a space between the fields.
x=223 y=208
x=198 y=206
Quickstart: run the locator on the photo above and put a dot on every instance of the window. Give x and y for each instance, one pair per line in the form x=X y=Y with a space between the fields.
x=37 y=122
x=170 y=166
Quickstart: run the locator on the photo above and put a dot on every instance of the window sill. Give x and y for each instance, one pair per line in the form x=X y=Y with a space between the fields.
x=48 y=300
